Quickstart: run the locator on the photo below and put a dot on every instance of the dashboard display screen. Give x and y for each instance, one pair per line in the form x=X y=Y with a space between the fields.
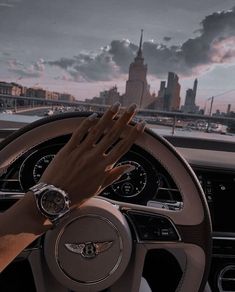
x=223 y=212
x=220 y=192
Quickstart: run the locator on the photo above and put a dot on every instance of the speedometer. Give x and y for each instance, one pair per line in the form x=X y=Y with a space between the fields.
x=131 y=183
x=41 y=165
x=35 y=163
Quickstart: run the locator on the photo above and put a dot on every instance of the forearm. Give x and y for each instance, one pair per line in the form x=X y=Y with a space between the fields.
x=23 y=223
x=19 y=226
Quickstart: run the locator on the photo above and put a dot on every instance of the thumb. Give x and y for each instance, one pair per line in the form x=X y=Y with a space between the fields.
x=116 y=173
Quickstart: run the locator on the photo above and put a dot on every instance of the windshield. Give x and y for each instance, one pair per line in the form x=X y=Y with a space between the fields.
x=175 y=59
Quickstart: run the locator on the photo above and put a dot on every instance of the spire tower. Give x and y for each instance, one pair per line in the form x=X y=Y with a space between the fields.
x=137 y=88
x=139 y=54
x=195 y=88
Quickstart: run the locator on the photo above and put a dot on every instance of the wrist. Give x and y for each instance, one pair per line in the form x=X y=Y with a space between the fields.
x=41 y=223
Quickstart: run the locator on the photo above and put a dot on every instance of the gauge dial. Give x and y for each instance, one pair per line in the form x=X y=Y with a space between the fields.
x=41 y=165
x=131 y=183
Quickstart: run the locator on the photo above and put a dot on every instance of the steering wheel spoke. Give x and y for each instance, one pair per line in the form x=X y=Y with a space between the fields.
x=43 y=279
x=131 y=279
x=156 y=228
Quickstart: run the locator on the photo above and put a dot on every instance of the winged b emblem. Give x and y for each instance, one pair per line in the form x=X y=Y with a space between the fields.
x=89 y=249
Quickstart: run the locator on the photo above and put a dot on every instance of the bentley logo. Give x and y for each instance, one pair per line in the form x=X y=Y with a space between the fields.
x=89 y=249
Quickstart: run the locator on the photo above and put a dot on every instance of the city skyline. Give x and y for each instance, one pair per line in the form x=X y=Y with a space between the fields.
x=103 y=52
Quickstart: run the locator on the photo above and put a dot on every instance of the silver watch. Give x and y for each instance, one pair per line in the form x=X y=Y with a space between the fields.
x=52 y=202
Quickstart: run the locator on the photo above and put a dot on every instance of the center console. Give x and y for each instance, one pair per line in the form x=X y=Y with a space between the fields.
x=219 y=188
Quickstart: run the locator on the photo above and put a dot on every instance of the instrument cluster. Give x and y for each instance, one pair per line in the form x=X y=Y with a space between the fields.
x=146 y=183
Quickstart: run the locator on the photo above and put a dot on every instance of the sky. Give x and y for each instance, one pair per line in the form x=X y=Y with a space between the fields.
x=85 y=46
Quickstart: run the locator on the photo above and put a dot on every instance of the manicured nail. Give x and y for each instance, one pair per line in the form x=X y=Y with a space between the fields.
x=115 y=107
x=131 y=108
x=129 y=169
x=92 y=117
x=141 y=126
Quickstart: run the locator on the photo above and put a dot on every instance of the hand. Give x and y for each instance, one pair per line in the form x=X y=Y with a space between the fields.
x=84 y=166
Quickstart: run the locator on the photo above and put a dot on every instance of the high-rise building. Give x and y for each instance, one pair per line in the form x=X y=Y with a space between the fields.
x=168 y=98
x=159 y=102
x=137 y=88
x=190 y=98
x=195 y=88
x=171 y=100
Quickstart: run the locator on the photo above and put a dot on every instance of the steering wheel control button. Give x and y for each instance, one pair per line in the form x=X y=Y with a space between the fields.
x=91 y=249
x=150 y=227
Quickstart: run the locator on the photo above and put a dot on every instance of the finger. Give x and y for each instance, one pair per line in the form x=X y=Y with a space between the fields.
x=125 y=144
x=116 y=173
x=81 y=131
x=102 y=124
x=116 y=130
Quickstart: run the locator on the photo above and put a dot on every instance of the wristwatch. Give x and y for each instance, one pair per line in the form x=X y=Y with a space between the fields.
x=52 y=202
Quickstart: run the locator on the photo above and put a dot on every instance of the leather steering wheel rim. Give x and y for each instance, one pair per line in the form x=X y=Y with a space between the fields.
x=195 y=235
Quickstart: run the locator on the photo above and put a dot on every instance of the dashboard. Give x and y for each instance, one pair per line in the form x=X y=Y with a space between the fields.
x=150 y=184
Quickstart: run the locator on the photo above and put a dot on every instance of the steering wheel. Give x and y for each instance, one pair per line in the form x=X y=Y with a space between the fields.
x=103 y=244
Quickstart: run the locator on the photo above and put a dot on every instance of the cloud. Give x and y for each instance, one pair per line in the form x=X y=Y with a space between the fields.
x=4 y=55
x=34 y=70
x=90 y=66
x=167 y=39
x=223 y=52
x=8 y=5
x=214 y=44
x=216 y=29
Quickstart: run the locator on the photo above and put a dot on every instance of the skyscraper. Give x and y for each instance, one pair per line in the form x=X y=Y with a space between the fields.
x=189 y=104
x=137 y=88
x=195 y=89
x=228 y=109
x=172 y=93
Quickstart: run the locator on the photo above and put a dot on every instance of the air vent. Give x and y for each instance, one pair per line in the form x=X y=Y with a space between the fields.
x=226 y=279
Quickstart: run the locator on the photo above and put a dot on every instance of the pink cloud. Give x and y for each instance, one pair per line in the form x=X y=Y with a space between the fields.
x=34 y=70
x=223 y=51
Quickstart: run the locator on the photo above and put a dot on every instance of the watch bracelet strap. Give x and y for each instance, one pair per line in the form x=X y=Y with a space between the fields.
x=39 y=187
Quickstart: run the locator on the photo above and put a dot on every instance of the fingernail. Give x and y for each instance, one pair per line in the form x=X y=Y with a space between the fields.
x=129 y=169
x=141 y=126
x=92 y=117
x=115 y=107
x=131 y=108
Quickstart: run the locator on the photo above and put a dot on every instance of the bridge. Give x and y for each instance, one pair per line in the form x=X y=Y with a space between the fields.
x=43 y=101
x=84 y=106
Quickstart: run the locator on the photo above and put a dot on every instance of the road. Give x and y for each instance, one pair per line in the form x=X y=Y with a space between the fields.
x=39 y=111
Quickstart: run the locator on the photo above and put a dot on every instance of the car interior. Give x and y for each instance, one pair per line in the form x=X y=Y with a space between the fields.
x=160 y=216
x=169 y=223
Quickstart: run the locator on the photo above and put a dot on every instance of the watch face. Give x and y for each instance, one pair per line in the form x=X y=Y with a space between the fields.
x=53 y=202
